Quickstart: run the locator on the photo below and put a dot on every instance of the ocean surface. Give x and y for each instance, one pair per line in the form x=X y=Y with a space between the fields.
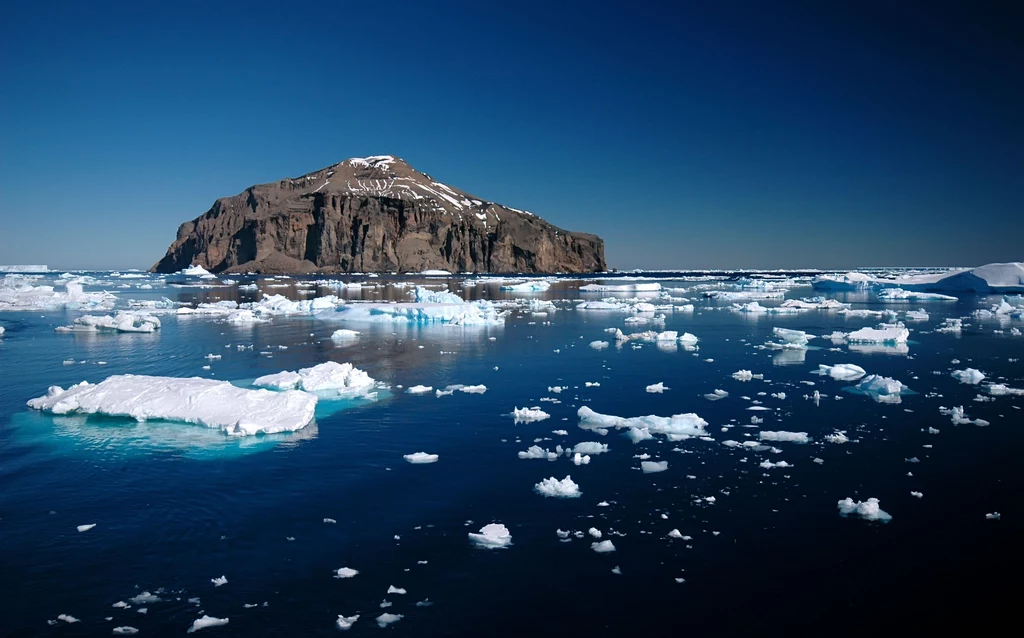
x=176 y=505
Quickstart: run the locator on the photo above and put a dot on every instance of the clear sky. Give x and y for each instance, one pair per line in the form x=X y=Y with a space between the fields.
x=709 y=134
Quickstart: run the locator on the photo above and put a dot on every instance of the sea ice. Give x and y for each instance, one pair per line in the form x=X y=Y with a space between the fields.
x=651 y=467
x=528 y=415
x=881 y=389
x=345 y=623
x=657 y=388
x=217 y=582
x=842 y=371
x=420 y=389
x=678 y=425
x=345 y=572
x=969 y=376
x=868 y=509
x=782 y=436
x=125 y=321
x=564 y=488
x=420 y=457
x=206 y=621
x=603 y=547
x=386 y=619
x=86 y=528
x=492 y=536
x=215 y=404
x=326 y=379
x=891 y=334
x=344 y=334
x=590 y=447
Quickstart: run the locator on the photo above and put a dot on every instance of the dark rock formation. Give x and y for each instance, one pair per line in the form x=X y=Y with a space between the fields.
x=374 y=214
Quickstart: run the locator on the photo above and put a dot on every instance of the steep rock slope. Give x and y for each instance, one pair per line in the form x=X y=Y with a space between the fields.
x=373 y=214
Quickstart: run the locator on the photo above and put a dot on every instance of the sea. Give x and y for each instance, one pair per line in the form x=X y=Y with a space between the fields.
x=739 y=534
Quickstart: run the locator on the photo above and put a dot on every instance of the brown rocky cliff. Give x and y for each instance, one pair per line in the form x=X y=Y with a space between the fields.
x=374 y=214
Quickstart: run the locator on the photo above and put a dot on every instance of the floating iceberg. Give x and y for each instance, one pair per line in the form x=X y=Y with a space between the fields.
x=782 y=436
x=885 y=334
x=214 y=404
x=528 y=286
x=440 y=307
x=969 y=376
x=842 y=371
x=345 y=623
x=17 y=294
x=881 y=389
x=901 y=295
x=528 y=415
x=126 y=321
x=420 y=458
x=564 y=488
x=868 y=509
x=656 y=388
x=330 y=379
x=344 y=335
x=990 y=278
x=386 y=619
x=621 y=288
x=603 y=547
x=652 y=467
x=958 y=417
x=206 y=621
x=492 y=536
x=676 y=427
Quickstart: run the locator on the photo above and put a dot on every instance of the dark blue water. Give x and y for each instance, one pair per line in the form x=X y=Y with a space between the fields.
x=177 y=505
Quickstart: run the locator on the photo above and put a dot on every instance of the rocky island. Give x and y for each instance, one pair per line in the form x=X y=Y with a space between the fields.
x=374 y=214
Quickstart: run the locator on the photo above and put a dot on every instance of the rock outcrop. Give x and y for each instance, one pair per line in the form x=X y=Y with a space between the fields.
x=374 y=214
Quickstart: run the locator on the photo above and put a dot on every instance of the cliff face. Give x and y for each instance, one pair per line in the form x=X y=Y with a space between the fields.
x=374 y=214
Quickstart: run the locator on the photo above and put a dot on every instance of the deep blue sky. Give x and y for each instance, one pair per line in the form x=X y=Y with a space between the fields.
x=743 y=134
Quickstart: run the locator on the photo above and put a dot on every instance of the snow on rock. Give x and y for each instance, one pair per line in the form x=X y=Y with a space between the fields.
x=782 y=436
x=564 y=488
x=206 y=621
x=969 y=376
x=676 y=427
x=420 y=458
x=882 y=389
x=492 y=536
x=842 y=371
x=326 y=379
x=215 y=404
x=868 y=509
x=652 y=467
x=528 y=415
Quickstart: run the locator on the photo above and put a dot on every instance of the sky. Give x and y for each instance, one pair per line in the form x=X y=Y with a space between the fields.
x=705 y=135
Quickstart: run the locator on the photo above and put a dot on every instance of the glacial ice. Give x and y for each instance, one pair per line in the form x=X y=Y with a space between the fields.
x=621 y=288
x=345 y=623
x=386 y=619
x=420 y=458
x=564 y=488
x=603 y=547
x=958 y=417
x=17 y=294
x=782 y=436
x=329 y=379
x=345 y=572
x=676 y=427
x=344 y=334
x=492 y=536
x=528 y=286
x=969 y=376
x=656 y=388
x=652 y=467
x=868 y=509
x=888 y=334
x=901 y=295
x=214 y=404
x=842 y=371
x=125 y=321
x=882 y=389
x=528 y=415
x=206 y=621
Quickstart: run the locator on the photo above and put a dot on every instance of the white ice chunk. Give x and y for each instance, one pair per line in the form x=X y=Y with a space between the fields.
x=969 y=376
x=215 y=404
x=528 y=415
x=603 y=547
x=868 y=509
x=492 y=536
x=564 y=488
x=652 y=467
x=782 y=436
x=327 y=379
x=206 y=621
x=420 y=457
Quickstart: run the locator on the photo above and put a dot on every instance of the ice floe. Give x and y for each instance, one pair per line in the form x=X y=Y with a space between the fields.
x=491 y=536
x=842 y=371
x=782 y=436
x=564 y=488
x=417 y=458
x=346 y=622
x=206 y=621
x=386 y=619
x=868 y=509
x=529 y=415
x=676 y=427
x=325 y=379
x=603 y=547
x=887 y=334
x=969 y=376
x=882 y=389
x=651 y=467
x=214 y=404
x=126 y=321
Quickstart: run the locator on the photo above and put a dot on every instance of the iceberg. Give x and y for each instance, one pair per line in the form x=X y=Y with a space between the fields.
x=215 y=404
x=528 y=415
x=564 y=488
x=868 y=509
x=990 y=278
x=386 y=619
x=439 y=307
x=17 y=294
x=969 y=376
x=842 y=371
x=206 y=621
x=885 y=334
x=881 y=389
x=657 y=388
x=528 y=286
x=781 y=436
x=420 y=458
x=901 y=295
x=330 y=379
x=492 y=536
x=125 y=321
x=603 y=547
x=621 y=288
x=676 y=427
x=345 y=623
x=344 y=335
x=652 y=467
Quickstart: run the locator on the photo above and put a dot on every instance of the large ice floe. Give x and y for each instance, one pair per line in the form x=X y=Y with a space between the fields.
x=215 y=404
x=676 y=428
x=17 y=292
x=990 y=278
x=492 y=536
x=125 y=321
x=330 y=379
x=430 y=307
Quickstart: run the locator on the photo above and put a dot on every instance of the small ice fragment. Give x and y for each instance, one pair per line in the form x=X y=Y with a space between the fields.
x=386 y=619
x=86 y=528
x=650 y=467
x=420 y=457
x=564 y=488
x=868 y=509
x=395 y=590
x=345 y=623
x=217 y=582
x=492 y=536
x=345 y=572
x=206 y=621
x=603 y=547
